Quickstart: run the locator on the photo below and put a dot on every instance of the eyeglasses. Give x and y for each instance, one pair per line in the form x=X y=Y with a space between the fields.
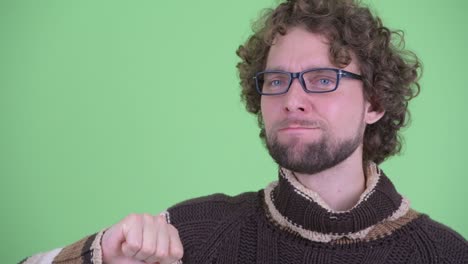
x=318 y=80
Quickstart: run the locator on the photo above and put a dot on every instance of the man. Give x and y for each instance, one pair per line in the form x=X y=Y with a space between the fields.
x=330 y=92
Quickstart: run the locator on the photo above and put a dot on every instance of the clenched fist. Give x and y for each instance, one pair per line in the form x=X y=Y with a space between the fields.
x=139 y=239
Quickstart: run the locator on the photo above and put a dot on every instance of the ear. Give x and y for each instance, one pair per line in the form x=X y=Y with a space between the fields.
x=372 y=113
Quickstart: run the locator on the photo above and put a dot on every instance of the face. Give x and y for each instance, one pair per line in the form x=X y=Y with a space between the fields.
x=311 y=132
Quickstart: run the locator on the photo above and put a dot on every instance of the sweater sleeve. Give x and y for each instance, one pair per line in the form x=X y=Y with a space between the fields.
x=85 y=251
x=204 y=222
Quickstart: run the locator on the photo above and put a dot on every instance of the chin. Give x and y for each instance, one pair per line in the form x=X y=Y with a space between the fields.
x=295 y=140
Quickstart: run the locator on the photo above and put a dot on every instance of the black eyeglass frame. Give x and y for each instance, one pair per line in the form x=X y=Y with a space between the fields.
x=300 y=76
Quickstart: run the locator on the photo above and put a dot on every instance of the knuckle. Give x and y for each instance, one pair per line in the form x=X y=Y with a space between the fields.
x=146 y=215
x=133 y=217
x=162 y=254
x=134 y=246
x=160 y=219
x=177 y=252
x=173 y=229
x=147 y=250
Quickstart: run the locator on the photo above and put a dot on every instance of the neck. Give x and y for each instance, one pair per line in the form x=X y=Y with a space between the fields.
x=340 y=186
x=301 y=210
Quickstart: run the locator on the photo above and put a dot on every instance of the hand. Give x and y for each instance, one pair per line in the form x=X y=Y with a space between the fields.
x=139 y=239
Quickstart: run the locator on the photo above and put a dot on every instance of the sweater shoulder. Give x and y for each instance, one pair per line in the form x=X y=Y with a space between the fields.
x=444 y=240
x=213 y=207
x=438 y=230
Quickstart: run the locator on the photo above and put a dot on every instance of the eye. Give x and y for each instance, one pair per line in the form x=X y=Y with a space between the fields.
x=324 y=81
x=275 y=80
x=276 y=83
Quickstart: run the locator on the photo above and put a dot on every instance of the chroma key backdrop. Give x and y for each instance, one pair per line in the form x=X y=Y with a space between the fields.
x=111 y=107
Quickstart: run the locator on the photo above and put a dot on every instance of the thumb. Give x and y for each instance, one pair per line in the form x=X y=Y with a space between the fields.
x=126 y=248
x=131 y=240
x=112 y=241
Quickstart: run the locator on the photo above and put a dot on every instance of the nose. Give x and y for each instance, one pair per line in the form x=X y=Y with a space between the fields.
x=295 y=100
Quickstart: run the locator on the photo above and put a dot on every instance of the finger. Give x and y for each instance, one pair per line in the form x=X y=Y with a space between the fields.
x=176 y=248
x=148 y=246
x=161 y=253
x=111 y=242
x=132 y=229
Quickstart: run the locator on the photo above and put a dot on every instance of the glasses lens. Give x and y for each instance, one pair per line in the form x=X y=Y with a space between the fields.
x=320 y=80
x=273 y=82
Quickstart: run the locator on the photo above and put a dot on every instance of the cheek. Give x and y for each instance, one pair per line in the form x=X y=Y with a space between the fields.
x=267 y=108
x=344 y=114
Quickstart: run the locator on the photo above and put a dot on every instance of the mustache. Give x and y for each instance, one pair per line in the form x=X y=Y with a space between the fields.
x=296 y=121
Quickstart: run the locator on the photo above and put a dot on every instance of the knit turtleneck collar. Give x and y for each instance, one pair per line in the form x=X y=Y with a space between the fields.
x=303 y=211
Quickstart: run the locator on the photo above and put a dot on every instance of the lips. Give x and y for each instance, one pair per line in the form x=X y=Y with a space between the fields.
x=296 y=128
x=297 y=125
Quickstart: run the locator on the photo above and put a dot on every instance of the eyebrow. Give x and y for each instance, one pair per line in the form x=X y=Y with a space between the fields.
x=276 y=68
x=281 y=68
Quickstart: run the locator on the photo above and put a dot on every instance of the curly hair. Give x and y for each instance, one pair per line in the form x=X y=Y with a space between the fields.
x=390 y=72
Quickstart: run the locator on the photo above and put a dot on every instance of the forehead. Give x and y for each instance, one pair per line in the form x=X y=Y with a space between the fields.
x=299 y=50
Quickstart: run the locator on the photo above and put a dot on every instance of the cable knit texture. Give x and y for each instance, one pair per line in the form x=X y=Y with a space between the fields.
x=286 y=223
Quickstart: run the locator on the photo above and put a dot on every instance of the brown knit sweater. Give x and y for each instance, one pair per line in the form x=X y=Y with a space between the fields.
x=287 y=223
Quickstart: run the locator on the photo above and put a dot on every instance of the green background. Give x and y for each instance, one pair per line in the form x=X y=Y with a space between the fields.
x=113 y=107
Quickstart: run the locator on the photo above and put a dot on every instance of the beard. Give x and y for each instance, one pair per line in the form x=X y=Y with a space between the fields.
x=314 y=157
